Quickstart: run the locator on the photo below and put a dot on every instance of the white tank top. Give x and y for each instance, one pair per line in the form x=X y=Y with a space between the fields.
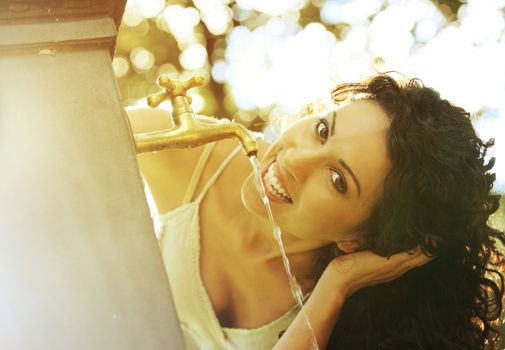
x=179 y=240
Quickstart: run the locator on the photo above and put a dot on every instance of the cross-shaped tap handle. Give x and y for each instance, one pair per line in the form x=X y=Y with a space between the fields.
x=173 y=88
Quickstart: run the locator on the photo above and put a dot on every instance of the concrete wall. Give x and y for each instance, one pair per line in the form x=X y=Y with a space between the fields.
x=79 y=263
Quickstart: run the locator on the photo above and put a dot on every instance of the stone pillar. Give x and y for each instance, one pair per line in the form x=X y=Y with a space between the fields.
x=79 y=263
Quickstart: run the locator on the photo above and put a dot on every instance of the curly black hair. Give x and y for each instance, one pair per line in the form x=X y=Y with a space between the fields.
x=437 y=196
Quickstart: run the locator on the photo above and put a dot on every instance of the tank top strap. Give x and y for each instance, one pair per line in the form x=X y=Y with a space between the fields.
x=218 y=172
x=198 y=172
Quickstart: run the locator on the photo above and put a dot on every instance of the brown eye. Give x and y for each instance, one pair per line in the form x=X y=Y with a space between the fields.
x=322 y=129
x=338 y=181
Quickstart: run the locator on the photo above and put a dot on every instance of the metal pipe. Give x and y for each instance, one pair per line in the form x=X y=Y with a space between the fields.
x=188 y=129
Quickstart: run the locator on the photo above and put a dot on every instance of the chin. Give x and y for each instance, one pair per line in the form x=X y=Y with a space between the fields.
x=251 y=198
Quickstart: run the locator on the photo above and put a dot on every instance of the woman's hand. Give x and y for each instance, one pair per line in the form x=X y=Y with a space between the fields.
x=342 y=277
x=354 y=271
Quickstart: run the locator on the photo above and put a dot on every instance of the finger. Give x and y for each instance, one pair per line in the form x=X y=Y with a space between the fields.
x=395 y=271
x=415 y=262
x=414 y=252
x=402 y=262
x=411 y=255
x=402 y=258
x=422 y=260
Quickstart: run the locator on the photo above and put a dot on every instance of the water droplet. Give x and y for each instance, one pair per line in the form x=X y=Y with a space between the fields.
x=296 y=290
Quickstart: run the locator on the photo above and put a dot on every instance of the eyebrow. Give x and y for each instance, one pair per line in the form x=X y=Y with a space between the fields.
x=332 y=129
x=344 y=164
x=354 y=177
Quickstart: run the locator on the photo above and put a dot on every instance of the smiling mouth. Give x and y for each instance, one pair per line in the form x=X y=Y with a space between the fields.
x=273 y=186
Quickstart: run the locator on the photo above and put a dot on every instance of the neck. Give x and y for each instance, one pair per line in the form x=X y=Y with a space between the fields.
x=256 y=238
x=254 y=235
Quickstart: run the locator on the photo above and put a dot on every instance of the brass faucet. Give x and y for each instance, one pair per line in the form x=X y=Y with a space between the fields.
x=189 y=130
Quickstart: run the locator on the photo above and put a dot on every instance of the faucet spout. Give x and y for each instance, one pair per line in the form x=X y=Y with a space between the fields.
x=194 y=131
x=189 y=130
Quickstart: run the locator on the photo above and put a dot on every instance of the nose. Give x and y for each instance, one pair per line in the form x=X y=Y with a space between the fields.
x=300 y=162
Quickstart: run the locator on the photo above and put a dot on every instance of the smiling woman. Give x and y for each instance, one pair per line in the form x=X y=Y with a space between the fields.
x=397 y=172
x=333 y=178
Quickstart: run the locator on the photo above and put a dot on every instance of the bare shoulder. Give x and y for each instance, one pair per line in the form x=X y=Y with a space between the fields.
x=165 y=171
x=148 y=119
x=143 y=120
x=168 y=172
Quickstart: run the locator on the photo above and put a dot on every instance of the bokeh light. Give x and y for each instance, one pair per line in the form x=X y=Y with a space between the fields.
x=265 y=60
x=151 y=8
x=193 y=57
x=272 y=8
x=142 y=58
x=132 y=17
x=180 y=22
x=218 y=19
x=121 y=66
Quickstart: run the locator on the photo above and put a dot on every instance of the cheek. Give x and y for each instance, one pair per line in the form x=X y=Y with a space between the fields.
x=316 y=212
x=328 y=216
x=248 y=193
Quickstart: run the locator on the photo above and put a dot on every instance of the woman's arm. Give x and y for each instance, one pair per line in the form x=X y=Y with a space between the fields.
x=343 y=276
x=168 y=172
x=322 y=308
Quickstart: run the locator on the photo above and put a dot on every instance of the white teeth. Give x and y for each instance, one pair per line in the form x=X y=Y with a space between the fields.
x=273 y=185
x=275 y=182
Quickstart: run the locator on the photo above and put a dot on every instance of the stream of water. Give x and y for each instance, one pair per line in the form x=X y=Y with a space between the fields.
x=296 y=290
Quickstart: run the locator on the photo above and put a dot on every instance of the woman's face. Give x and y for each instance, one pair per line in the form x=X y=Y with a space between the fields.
x=331 y=168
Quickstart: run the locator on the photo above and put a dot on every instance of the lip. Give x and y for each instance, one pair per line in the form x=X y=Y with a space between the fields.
x=265 y=169
x=280 y=178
